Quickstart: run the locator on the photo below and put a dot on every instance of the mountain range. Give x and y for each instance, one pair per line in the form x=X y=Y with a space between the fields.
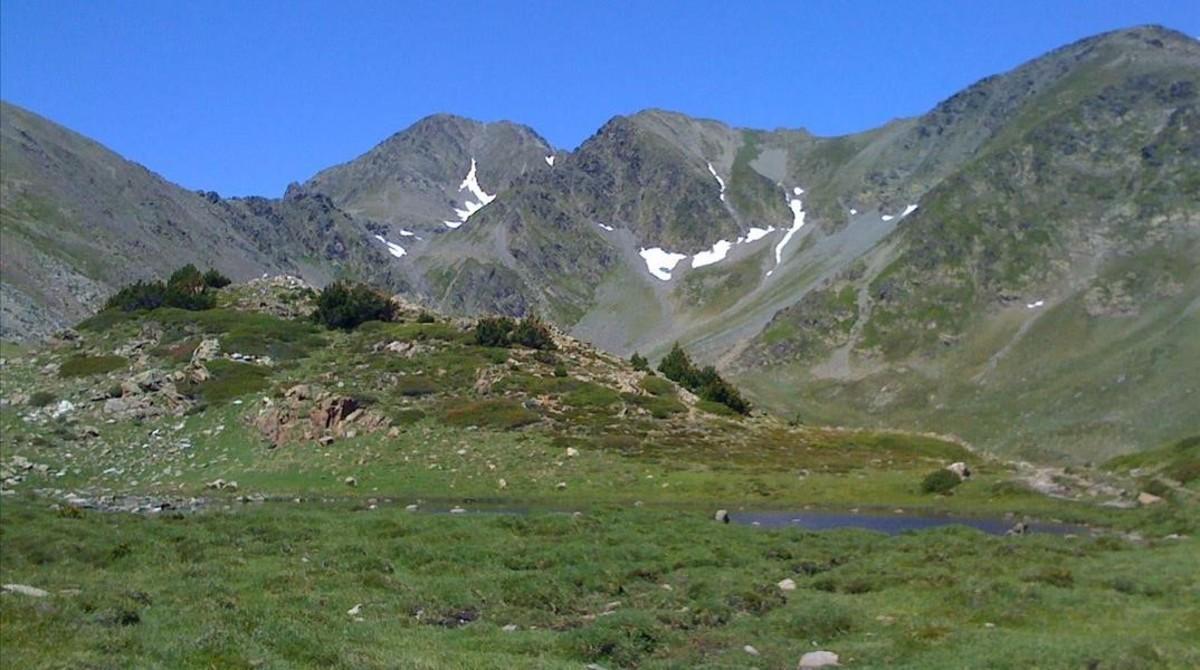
x=1016 y=266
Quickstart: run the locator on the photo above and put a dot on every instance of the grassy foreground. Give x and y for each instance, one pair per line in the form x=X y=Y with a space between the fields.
x=287 y=585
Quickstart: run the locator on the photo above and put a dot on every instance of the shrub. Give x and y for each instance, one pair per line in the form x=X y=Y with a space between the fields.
x=138 y=296
x=214 y=279
x=639 y=362
x=494 y=331
x=41 y=398
x=560 y=370
x=940 y=481
x=425 y=317
x=502 y=331
x=344 y=305
x=704 y=382
x=83 y=366
x=533 y=333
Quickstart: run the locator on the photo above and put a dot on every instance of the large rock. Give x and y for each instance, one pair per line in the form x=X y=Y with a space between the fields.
x=1145 y=498
x=818 y=659
x=207 y=350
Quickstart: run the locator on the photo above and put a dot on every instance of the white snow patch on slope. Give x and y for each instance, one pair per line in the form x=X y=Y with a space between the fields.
x=798 y=215
x=1035 y=304
x=550 y=161
x=608 y=228
x=887 y=217
x=660 y=262
x=853 y=211
x=717 y=253
x=471 y=184
x=393 y=248
x=908 y=210
x=720 y=182
x=756 y=234
x=407 y=233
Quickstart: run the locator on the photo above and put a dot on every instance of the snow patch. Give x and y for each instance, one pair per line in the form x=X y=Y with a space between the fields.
x=798 y=215
x=717 y=253
x=470 y=184
x=887 y=217
x=407 y=233
x=720 y=182
x=756 y=234
x=660 y=263
x=393 y=248
x=853 y=211
x=908 y=210
x=1035 y=304
x=550 y=161
x=608 y=228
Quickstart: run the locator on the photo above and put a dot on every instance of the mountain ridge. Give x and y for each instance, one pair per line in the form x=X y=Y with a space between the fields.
x=810 y=266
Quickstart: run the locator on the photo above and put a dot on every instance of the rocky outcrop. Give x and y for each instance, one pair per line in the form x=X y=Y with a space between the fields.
x=302 y=416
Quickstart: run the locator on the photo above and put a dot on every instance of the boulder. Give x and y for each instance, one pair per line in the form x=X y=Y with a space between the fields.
x=26 y=590
x=818 y=659
x=961 y=469
x=1145 y=498
x=722 y=516
x=788 y=584
x=207 y=350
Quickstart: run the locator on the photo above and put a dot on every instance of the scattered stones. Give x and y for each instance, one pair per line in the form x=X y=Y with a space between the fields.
x=411 y=508
x=818 y=659
x=350 y=481
x=457 y=510
x=356 y=610
x=750 y=650
x=25 y=590
x=222 y=485
x=208 y=349
x=502 y=483
x=721 y=516
x=788 y=584
x=561 y=486
x=509 y=628
x=572 y=452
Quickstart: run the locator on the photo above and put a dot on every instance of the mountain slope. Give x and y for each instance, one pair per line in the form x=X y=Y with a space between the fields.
x=998 y=257
x=1051 y=278
x=78 y=221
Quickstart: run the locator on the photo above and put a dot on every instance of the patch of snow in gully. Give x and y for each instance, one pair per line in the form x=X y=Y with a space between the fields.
x=608 y=228
x=720 y=182
x=660 y=263
x=549 y=161
x=393 y=248
x=1035 y=304
x=908 y=210
x=717 y=253
x=798 y=215
x=471 y=184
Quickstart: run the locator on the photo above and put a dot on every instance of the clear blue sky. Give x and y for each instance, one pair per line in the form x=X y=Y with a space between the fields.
x=243 y=97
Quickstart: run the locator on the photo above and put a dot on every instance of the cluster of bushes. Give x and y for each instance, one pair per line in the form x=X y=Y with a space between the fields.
x=940 y=481
x=639 y=362
x=346 y=306
x=501 y=331
x=704 y=382
x=187 y=288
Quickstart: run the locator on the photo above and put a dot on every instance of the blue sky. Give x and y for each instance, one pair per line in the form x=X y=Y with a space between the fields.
x=244 y=97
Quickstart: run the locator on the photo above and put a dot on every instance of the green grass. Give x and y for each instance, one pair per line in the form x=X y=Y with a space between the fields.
x=272 y=586
x=230 y=380
x=501 y=413
x=86 y=366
